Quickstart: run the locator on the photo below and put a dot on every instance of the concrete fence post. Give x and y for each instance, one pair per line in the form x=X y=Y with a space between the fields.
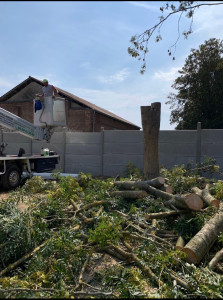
x=102 y=151
x=64 y=149
x=198 y=144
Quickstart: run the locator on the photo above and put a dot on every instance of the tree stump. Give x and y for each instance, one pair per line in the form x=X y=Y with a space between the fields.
x=151 y=124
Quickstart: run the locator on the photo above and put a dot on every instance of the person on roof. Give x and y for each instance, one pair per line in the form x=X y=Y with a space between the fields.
x=48 y=90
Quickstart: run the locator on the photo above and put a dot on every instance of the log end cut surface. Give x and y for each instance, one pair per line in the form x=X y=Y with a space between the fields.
x=194 y=202
x=191 y=257
x=215 y=203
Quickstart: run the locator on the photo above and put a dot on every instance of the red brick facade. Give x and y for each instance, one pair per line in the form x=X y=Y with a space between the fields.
x=83 y=120
x=81 y=115
x=23 y=109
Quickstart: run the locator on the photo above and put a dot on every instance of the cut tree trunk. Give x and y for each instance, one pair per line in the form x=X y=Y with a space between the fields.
x=130 y=194
x=206 y=196
x=158 y=193
x=165 y=214
x=128 y=185
x=185 y=201
x=201 y=243
x=180 y=243
x=166 y=188
x=218 y=256
x=150 y=116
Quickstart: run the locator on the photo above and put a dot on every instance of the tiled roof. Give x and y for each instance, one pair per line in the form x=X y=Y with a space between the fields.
x=63 y=93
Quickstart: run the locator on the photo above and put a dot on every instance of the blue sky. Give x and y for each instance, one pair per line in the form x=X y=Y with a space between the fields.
x=81 y=47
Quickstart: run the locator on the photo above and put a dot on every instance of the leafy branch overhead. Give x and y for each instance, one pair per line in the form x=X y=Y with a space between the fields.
x=140 y=42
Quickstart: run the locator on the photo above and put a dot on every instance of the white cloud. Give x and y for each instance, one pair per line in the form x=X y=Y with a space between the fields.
x=109 y=99
x=117 y=77
x=166 y=76
x=208 y=19
x=124 y=105
x=5 y=83
x=144 y=4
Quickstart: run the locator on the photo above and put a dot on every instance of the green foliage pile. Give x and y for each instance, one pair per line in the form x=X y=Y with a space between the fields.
x=76 y=222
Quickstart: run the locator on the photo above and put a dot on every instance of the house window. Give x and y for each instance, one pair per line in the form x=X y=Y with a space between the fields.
x=74 y=105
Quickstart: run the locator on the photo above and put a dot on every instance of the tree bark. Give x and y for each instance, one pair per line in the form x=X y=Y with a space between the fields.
x=180 y=243
x=166 y=188
x=158 y=193
x=128 y=185
x=165 y=214
x=206 y=196
x=186 y=201
x=218 y=256
x=130 y=194
x=151 y=124
x=201 y=243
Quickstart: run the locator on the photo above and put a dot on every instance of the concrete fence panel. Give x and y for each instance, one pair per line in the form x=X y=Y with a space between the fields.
x=108 y=152
x=212 y=145
x=120 y=148
x=177 y=147
x=83 y=153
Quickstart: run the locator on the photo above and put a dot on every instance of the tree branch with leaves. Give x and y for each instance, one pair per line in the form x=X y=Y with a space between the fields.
x=139 y=48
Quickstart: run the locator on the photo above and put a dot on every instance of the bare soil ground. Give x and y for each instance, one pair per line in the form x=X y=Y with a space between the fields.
x=4 y=194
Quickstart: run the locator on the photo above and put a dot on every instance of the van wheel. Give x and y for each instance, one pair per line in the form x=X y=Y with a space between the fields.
x=12 y=177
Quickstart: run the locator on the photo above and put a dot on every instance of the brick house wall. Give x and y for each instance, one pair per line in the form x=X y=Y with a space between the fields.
x=79 y=117
x=22 y=109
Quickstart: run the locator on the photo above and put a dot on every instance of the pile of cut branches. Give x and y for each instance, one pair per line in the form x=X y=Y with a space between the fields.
x=86 y=237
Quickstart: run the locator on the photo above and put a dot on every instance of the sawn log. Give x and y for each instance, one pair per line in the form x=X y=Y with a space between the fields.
x=142 y=185
x=184 y=201
x=130 y=194
x=206 y=196
x=180 y=243
x=166 y=188
x=218 y=256
x=201 y=243
x=165 y=214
